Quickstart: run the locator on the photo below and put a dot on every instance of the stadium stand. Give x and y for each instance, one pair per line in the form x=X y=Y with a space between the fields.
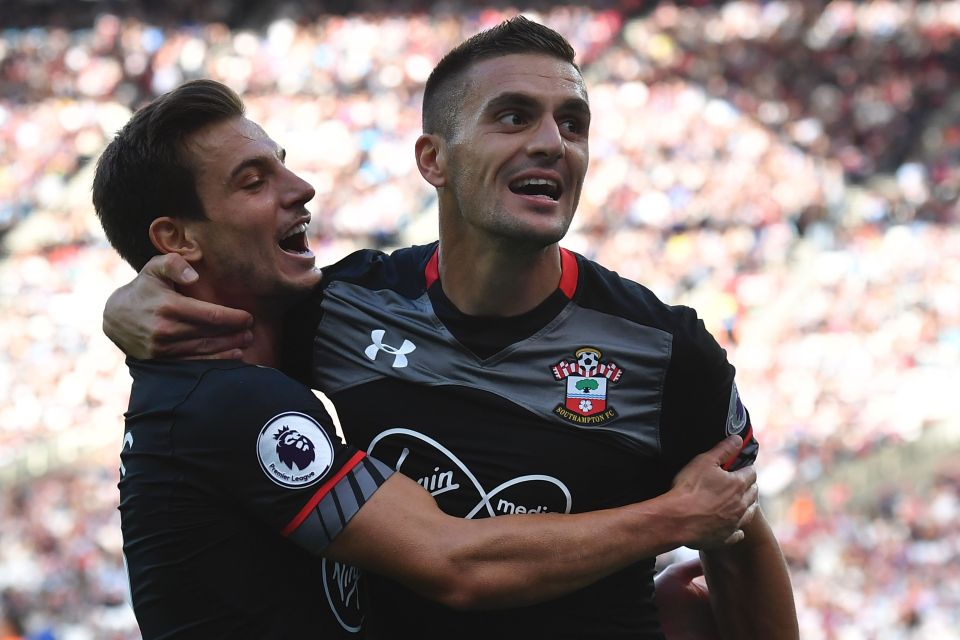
x=791 y=169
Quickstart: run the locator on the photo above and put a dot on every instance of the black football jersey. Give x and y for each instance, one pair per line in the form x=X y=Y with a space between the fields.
x=233 y=480
x=594 y=399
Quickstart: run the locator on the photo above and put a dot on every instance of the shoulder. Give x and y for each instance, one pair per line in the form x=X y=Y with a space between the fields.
x=403 y=270
x=164 y=385
x=366 y=270
x=208 y=398
x=250 y=390
x=606 y=291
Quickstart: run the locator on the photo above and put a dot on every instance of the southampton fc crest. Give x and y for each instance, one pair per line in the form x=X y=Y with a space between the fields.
x=587 y=379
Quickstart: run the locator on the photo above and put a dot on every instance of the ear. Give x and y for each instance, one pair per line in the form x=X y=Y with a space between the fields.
x=431 y=154
x=175 y=235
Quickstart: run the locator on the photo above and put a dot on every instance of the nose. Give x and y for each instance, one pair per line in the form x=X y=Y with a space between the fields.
x=546 y=140
x=298 y=191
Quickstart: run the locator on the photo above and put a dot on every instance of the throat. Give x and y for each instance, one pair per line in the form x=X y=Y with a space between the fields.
x=264 y=350
x=497 y=285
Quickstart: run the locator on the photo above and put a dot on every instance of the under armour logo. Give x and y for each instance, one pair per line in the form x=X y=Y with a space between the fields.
x=399 y=355
x=127 y=441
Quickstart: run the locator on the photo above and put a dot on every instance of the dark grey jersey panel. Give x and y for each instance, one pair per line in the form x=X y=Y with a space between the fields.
x=610 y=381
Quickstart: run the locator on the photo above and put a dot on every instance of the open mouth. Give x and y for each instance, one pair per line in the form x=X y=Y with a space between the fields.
x=540 y=187
x=295 y=240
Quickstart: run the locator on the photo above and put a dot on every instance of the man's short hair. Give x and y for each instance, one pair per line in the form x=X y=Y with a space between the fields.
x=145 y=172
x=445 y=88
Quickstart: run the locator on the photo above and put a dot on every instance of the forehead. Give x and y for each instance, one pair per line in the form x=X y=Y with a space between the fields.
x=217 y=148
x=542 y=77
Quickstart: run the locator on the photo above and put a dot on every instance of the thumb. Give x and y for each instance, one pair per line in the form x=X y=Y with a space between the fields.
x=171 y=267
x=726 y=449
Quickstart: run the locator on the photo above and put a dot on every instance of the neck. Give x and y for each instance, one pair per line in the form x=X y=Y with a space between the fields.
x=497 y=280
x=264 y=350
x=267 y=328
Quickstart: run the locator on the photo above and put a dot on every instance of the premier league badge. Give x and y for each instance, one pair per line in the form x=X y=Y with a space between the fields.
x=587 y=379
x=294 y=450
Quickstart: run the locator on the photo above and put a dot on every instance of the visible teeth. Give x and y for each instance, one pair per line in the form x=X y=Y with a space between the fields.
x=537 y=181
x=300 y=228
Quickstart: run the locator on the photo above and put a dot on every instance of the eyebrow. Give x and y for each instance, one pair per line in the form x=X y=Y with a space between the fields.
x=256 y=161
x=516 y=99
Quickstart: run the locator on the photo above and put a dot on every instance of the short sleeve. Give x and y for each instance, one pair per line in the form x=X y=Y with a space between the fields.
x=267 y=446
x=701 y=402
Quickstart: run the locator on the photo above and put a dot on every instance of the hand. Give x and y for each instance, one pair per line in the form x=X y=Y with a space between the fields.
x=148 y=318
x=684 y=602
x=716 y=503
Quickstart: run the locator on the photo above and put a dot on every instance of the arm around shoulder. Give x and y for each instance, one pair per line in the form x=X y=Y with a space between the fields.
x=506 y=561
x=515 y=560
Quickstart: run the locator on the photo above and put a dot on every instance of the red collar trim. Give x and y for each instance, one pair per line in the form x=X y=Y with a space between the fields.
x=569 y=271
x=432 y=272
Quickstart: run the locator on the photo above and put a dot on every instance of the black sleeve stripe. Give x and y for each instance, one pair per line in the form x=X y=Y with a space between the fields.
x=319 y=518
x=347 y=498
x=377 y=469
x=312 y=534
x=366 y=481
x=355 y=487
x=335 y=510
x=320 y=528
x=329 y=512
x=336 y=503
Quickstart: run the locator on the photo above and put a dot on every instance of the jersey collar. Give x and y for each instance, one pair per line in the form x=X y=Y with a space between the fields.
x=569 y=271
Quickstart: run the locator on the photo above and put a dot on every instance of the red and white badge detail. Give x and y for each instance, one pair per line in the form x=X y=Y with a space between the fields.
x=587 y=379
x=294 y=450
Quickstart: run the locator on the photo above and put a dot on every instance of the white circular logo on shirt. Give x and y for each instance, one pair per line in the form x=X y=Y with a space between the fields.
x=294 y=450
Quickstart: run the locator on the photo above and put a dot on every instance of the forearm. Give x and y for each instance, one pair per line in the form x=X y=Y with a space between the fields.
x=518 y=560
x=503 y=561
x=521 y=559
x=750 y=589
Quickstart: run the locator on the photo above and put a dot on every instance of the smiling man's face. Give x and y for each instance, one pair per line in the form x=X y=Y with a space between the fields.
x=516 y=161
x=254 y=240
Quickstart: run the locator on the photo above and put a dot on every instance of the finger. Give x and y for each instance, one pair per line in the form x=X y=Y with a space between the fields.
x=171 y=267
x=734 y=537
x=232 y=354
x=753 y=495
x=206 y=315
x=205 y=346
x=725 y=449
x=748 y=515
x=748 y=475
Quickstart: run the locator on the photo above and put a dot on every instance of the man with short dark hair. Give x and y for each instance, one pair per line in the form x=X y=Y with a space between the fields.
x=236 y=495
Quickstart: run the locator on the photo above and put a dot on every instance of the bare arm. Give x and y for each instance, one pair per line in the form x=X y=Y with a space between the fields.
x=750 y=589
x=522 y=559
x=147 y=318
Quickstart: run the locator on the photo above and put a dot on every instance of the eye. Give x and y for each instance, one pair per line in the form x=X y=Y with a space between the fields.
x=512 y=118
x=575 y=126
x=253 y=184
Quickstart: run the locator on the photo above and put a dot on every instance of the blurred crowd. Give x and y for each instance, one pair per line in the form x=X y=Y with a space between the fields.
x=788 y=168
x=62 y=577
x=889 y=572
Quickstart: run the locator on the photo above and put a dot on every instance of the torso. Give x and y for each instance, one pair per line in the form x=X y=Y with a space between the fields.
x=202 y=522
x=496 y=417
